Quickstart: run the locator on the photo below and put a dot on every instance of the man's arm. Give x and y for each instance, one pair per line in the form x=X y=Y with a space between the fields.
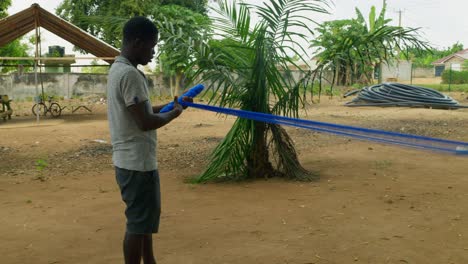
x=157 y=108
x=150 y=121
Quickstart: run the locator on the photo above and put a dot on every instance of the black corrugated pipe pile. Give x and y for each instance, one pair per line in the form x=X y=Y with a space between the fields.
x=397 y=94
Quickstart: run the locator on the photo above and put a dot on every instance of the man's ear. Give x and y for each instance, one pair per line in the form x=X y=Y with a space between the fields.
x=137 y=42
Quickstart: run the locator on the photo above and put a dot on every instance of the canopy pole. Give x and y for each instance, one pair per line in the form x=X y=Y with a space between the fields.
x=58 y=58
x=36 y=55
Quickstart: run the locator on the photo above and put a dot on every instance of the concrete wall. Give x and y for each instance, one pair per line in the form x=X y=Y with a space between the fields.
x=423 y=72
x=396 y=71
x=66 y=85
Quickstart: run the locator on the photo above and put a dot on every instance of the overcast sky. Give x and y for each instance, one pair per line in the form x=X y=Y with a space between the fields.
x=442 y=23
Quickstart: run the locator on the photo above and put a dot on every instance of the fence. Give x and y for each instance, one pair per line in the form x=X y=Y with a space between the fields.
x=66 y=85
x=70 y=85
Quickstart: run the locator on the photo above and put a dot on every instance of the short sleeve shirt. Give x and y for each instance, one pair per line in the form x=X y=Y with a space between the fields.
x=133 y=148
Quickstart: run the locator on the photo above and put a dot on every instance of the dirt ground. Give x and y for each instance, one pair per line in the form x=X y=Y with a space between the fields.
x=373 y=203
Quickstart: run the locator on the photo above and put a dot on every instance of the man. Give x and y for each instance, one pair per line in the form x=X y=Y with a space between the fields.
x=133 y=122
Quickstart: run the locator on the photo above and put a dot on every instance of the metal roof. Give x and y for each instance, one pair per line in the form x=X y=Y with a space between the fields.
x=15 y=26
x=461 y=54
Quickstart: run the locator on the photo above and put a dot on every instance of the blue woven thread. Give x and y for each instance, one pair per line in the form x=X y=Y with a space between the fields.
x=381 y=136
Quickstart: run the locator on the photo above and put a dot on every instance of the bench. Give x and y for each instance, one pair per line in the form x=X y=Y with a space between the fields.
x=75 y=108
x=6 y=108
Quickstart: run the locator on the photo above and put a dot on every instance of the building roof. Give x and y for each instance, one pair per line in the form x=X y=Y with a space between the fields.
x=463 y=54
x=17 y=25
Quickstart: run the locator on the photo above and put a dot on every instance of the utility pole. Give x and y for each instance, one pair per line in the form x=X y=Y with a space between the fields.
x=399 y=41
x=399 y=17
x=400 y=12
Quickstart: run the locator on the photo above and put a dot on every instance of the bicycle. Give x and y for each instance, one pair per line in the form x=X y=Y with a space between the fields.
x=41 y=108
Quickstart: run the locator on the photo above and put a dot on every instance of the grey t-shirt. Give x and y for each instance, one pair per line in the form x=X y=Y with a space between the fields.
x=133 y=148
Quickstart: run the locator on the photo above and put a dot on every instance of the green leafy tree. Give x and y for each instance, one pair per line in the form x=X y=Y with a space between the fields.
x=247 y=66
x=96 y=68
x=197 y=6
x=15 y=49
x=455 y=48
x=425 y=57
x=103 y=18
x=351 y=48
x=178 y=25
x=4 y=4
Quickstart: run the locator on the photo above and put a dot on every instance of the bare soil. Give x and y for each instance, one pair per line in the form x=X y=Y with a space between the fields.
x=373 y=203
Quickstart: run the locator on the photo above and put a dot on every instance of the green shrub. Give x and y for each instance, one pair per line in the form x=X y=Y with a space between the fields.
x=446 y=87
x=455 y=77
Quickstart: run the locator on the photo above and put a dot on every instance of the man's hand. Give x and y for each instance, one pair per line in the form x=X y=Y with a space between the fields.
x=177 y=107
x=187 y=99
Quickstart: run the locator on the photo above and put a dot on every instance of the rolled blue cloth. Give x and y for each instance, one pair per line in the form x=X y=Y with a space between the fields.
x=192 y=92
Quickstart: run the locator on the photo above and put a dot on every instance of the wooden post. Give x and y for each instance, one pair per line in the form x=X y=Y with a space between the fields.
x=36 y=55
x=411 y=77
x=450 y=77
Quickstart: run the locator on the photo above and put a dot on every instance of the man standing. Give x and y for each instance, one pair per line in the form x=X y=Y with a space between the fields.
x=133 y=122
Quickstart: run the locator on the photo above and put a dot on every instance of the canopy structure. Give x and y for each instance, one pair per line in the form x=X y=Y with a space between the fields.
x=17 y=25
x=35 y=17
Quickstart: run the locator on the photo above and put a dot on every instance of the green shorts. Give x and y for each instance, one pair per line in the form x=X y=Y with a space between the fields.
x=140 y=191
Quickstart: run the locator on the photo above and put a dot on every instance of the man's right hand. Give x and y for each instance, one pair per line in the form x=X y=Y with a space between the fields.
x=177 y=107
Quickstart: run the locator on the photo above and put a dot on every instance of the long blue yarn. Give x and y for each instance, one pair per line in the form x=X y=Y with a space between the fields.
x=381 y=136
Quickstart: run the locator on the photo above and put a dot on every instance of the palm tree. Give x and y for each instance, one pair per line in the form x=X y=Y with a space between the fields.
x=247 y=65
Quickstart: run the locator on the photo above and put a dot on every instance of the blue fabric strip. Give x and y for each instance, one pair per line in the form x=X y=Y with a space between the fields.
x=381 y=136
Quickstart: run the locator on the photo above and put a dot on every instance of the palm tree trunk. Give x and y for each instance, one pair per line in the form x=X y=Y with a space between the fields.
x=258 y=164
x=347 y=75
x=337 y=74
x=171 y=85
x=178 y=77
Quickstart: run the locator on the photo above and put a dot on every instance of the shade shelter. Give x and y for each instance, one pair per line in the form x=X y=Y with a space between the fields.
x=17 y=25
x=34 y=17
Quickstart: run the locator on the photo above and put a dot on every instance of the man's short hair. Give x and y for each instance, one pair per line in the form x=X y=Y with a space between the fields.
x=139 y=27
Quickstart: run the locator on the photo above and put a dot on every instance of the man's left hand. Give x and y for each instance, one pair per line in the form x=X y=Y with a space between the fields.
x=187 y=99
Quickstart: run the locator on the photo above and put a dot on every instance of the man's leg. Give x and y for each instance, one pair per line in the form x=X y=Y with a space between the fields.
x=141 y=193
x=148 y=256
x=132 y=248
x=154 y=203
x=130 y=188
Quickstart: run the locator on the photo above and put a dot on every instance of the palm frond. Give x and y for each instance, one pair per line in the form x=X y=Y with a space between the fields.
x=287 y=160
x=233 y=19
x=228 y=159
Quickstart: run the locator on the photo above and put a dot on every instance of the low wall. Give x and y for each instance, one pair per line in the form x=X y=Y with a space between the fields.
x=67 y=85
x=423 y=73
x=396 y=72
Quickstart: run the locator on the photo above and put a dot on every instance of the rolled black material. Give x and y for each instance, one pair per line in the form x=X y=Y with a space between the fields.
x=397 y=94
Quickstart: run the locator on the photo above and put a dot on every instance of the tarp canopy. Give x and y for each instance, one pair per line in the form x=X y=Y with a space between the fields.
x=17 y=25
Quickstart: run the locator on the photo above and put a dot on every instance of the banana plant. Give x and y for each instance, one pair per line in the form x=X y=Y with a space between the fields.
x=350 y=48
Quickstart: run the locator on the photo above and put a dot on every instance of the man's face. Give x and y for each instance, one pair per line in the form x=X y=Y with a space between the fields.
x=145 y=50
